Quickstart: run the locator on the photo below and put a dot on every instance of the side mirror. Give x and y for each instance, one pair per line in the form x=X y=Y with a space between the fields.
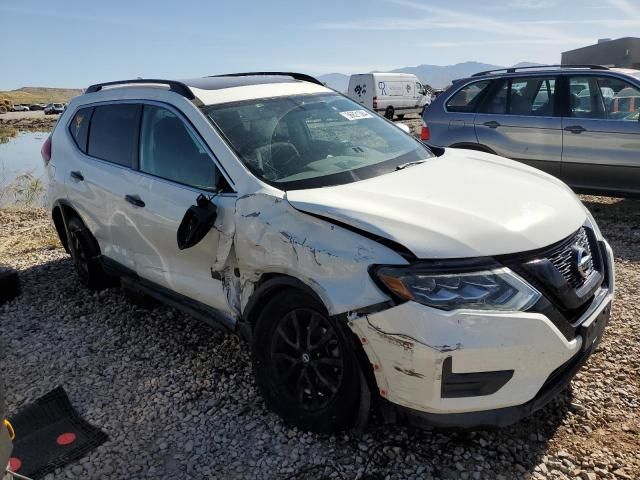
x=197 y=222
x=405 y=128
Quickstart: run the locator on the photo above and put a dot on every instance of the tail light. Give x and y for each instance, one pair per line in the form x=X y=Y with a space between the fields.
x=375 y=102
x=425 y=134
x=45 y=151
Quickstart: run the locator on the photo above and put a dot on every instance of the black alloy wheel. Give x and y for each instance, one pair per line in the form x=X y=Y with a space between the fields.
x=305 y=363
x=80 y=257
x=307 y=359
x=84 y=253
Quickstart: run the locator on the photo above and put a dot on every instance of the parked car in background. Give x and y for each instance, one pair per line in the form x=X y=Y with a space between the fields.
x=36 y=106
x=389 y=93
x=450 y=287
x=577 y=123
x=19 y=108
x=54 y=109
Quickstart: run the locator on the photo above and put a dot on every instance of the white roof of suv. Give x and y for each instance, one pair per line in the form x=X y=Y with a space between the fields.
x=252 y=92
x=229 y=88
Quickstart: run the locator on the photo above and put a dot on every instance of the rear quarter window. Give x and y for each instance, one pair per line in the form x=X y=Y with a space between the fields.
x=79 y=127
x=466 y=99
x=114 y=133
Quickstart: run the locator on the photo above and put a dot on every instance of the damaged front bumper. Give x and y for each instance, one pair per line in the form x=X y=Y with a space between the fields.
x=471 y=368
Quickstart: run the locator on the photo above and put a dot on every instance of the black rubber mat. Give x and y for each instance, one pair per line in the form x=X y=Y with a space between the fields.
x=9 y=284
x=50 y=434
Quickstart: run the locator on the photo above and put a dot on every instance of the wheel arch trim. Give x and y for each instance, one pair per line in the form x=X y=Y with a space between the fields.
x=473 y=146
x=66 y=211
x=268 y=284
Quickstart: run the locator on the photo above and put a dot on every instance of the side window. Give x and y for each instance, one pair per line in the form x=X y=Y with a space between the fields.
x=79 y=127
x=621 y=99
x=114 y=132
x=585 y=100
x=523 y=96
x=419 y=89
x=544 y=99
x=465 y=99
x=497 y=104
x=532 y=96
x=169 y=150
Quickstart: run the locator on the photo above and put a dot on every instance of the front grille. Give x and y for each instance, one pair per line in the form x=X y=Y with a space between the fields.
x=567 y=274
x=565 y=259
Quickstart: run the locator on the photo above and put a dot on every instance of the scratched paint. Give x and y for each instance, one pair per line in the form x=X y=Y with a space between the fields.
x=267 y=235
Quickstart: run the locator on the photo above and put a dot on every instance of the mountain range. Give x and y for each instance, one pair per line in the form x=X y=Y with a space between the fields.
x=438 y=76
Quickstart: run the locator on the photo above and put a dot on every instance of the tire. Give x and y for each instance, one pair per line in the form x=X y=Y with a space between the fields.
x=389 y=112
x=84 y=253
x=316 y=389
x=401 y=116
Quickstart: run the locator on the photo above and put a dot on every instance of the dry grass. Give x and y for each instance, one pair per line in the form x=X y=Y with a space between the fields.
x=24 y=230
x=31 y=95
x=7 y=132
x=29 y=124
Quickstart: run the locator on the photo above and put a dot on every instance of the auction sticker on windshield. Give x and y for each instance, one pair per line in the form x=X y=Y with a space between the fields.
x=356 y=114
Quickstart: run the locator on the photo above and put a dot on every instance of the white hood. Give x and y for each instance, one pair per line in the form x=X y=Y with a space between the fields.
x=462 y=204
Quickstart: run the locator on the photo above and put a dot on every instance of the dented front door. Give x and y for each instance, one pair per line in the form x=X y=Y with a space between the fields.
x=191 y=272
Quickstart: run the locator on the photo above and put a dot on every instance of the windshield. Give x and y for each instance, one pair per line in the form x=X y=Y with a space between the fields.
x=309 y=141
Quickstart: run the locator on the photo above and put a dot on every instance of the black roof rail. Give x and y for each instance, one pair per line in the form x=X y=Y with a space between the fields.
x=174 y=86
x=296 y=76
x=514 y=69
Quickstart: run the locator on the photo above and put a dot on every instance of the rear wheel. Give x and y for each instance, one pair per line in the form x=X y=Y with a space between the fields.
x=84 y=253
x=305 y=364
x=389 y=112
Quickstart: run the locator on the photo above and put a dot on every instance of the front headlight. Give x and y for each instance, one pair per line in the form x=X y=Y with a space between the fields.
x=496 y=289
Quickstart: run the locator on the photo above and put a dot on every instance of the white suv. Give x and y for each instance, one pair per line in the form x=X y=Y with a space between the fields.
x=444 y=286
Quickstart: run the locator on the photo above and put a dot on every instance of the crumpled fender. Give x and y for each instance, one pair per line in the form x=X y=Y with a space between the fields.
x=270 y=236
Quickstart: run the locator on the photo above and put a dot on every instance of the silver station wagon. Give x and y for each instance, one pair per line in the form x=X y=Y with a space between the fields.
x=579 y=123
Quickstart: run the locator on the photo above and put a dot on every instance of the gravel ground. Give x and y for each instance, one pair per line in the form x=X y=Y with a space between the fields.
x=178 y=400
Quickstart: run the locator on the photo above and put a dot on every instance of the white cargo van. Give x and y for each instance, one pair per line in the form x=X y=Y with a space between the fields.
x=391 y=93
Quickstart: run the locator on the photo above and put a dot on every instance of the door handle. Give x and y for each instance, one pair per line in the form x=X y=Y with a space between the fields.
x=134 y=200
x=575 y=129
x=491 y=124
x=77 y=176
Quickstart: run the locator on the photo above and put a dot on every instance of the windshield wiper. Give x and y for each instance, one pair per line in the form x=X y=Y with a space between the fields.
x=410 y=164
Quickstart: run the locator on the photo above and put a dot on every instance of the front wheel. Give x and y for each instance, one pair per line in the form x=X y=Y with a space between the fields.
x=305 y=364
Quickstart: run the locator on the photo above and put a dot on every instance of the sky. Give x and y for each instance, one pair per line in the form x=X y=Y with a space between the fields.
x=70 y=43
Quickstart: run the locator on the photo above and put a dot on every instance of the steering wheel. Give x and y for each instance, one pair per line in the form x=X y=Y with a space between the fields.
x=282 y=155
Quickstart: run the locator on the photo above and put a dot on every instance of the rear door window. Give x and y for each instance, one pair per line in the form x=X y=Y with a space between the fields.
x=528 y=96
x=113 y=135
x=466 y=99
x=79 y=127
x=498 y=100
